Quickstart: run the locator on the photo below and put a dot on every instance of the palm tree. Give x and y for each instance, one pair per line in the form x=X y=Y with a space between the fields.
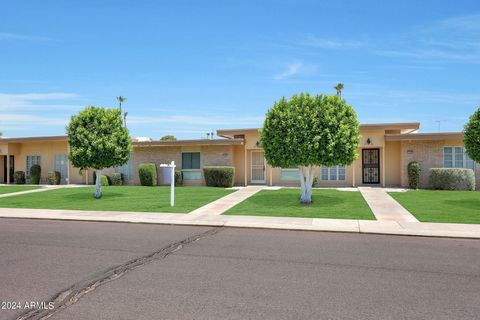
x=339 y=87
x=120 y=100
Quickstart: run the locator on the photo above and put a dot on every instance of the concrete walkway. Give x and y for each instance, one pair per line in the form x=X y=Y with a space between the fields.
x=396 y=221
x=221 y=205
x=384 y=207
x=42 y=189
x=451 y=230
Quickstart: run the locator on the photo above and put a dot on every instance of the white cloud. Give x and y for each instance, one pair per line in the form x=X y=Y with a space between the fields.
x=452 y=40
x=22 y=37
x=323 y=43
x=291 y=70
x=196 y=120
x=295 y=69
x=35 y=100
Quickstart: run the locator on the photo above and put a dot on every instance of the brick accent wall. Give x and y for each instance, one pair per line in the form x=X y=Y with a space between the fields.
x=155 y=155
x=210 y=156
x=430 y=155
x=217 y=156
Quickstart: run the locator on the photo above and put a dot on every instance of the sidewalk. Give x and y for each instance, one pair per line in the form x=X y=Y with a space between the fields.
x=384 y=207
x=307 y=224
x=42 y=189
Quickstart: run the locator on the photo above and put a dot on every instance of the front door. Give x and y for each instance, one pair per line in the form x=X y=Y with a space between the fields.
x=12 y=168
x=371 y=166
x=258 y=167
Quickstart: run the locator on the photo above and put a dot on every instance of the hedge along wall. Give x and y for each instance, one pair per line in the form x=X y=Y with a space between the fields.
x=452 y=179
x=429 y=153
x=148 y=174
x=219 y=176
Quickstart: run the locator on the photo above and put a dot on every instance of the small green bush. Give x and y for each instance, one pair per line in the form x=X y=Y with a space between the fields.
x=35 y=173
x=54 y=177
x=452 y=179
x=314 y=182
x=19 y=177
x=219 y=176
x=117 y=179
x=104 y=180
x=148 y=174
x=414 y=170
x=178 y=178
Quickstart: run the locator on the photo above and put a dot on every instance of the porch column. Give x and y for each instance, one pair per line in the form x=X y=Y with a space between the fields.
x=383 y=166
x=353 y=174
x=8 y=168
x=245 y=171
x=68 y=164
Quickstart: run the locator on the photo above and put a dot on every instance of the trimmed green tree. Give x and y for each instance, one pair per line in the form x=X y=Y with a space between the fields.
x=98 y=140
x=307 y=131
x=471 y=138
x=168 y=137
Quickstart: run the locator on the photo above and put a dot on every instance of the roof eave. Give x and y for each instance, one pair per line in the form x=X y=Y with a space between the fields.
x=424 y=136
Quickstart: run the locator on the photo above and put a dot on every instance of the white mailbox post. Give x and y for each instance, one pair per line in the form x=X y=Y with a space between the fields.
x=172 y=180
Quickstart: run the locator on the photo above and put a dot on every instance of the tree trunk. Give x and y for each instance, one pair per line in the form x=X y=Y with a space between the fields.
x=98 y=186
x=306 y=180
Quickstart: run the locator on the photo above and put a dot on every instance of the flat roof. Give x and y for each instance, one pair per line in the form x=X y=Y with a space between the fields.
x=390 y=126
x=424 y=136
x=34 y=139
x=197 y=142
x=363 y=126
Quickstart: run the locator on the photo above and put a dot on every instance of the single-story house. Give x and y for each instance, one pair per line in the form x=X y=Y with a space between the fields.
x=384 y=152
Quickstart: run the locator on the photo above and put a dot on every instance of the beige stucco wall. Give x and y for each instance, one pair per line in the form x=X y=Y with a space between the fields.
x=239 y=156
x=393 y=163
x=430 y=155
x=45 y=149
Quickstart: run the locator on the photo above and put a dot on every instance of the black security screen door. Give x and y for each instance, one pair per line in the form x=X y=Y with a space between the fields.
x=371 y=166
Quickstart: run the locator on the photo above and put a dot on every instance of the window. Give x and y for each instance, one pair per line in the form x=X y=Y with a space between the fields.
x=191 y=166
x=290 y=174
x=191 y=160
x=31 y=160
x=126 y=169
x=456 y=157
x=335 y=173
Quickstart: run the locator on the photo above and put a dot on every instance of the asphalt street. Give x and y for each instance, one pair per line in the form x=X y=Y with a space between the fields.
x=138 y=271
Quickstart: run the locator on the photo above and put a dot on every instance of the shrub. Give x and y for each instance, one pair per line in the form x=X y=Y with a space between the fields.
x=414 y=170
x=178 y=178
x=19 y=177
x=314 y=181
x=54 y=177
x=104 y=180
x=35 y=172
x=117 y=179
x=148 y=174
x=219 y=176
x=452 y=179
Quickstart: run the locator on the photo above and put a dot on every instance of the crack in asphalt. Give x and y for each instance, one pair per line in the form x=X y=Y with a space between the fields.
x=72 y=294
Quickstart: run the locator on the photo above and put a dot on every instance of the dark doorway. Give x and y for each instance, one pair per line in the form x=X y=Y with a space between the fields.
x=371 y=166
x=12 y=168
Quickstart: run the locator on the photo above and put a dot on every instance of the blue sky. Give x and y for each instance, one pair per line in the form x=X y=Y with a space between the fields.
x=189 y=67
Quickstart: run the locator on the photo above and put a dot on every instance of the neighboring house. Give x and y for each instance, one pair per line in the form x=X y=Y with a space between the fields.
x=384 y=153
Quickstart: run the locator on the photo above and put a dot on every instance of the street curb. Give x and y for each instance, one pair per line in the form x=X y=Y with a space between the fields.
x=240 y=226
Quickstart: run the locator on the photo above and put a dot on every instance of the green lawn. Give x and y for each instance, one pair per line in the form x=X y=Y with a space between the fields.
x=441 y=206
x=118 y=198
x=10 y=189
x=285 y=203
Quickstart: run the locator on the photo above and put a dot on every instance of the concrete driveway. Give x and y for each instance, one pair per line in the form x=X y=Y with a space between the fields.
x=237 y=273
